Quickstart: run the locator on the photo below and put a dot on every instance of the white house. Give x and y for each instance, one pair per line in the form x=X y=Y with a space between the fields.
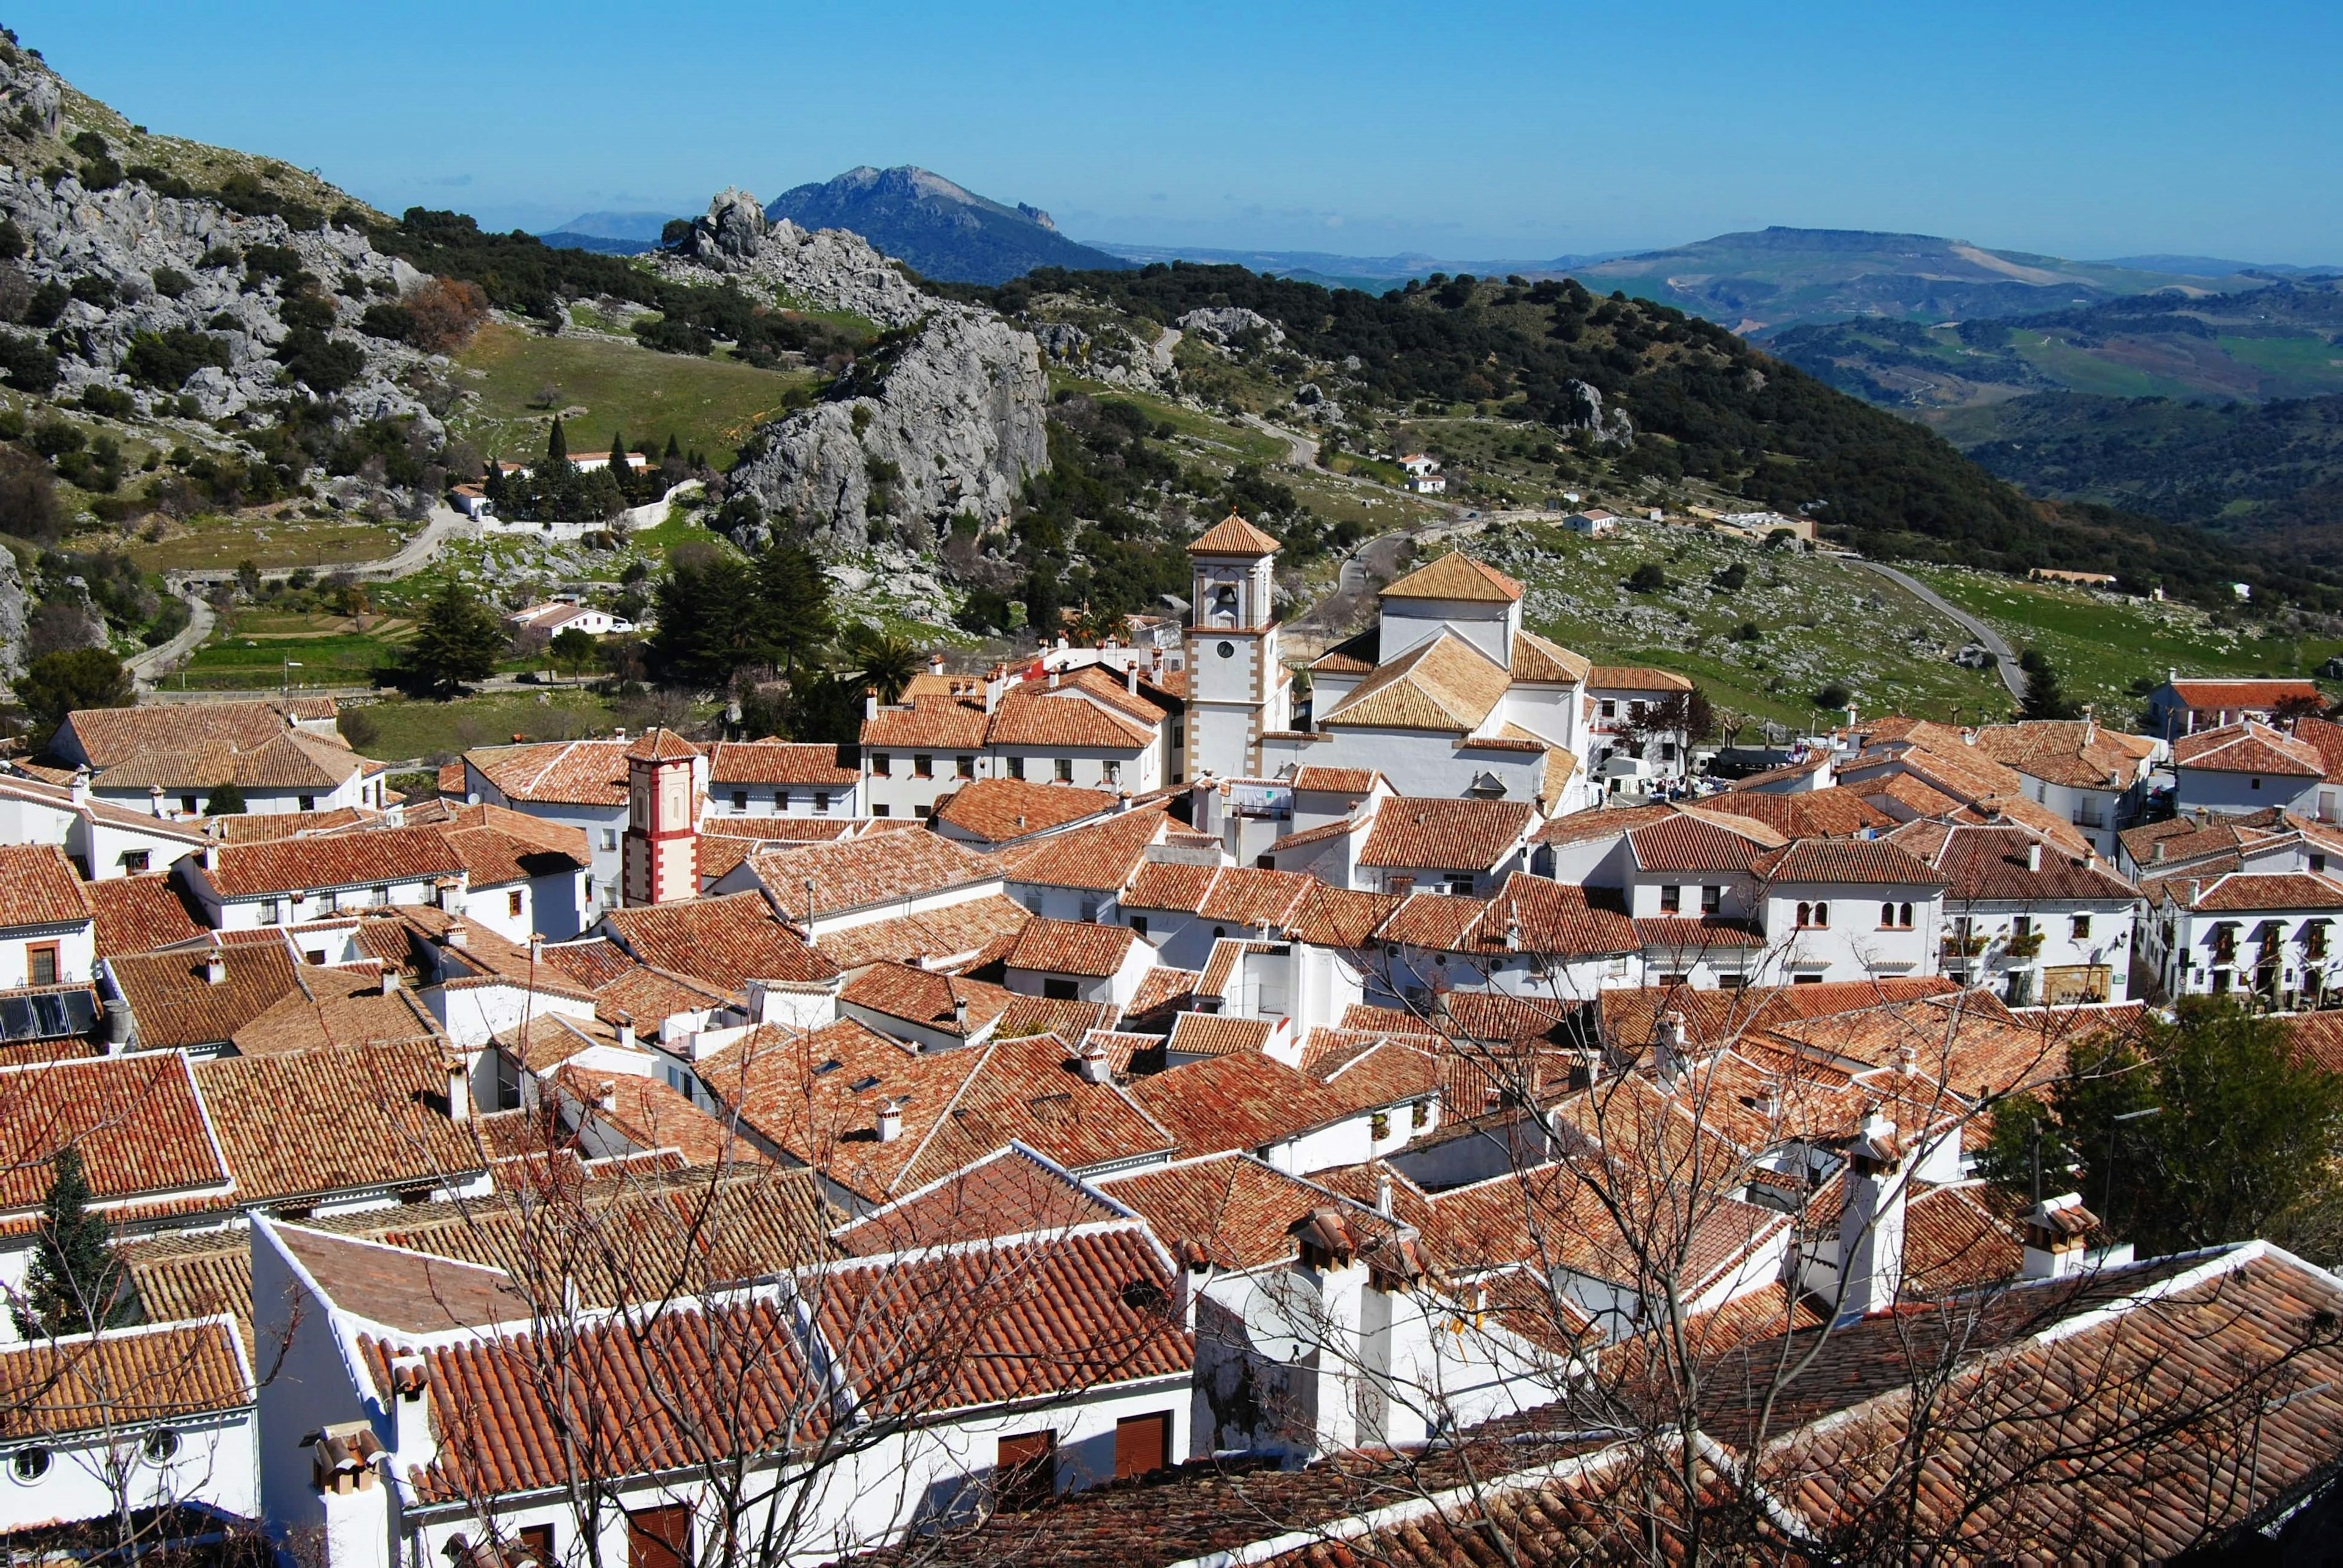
x=2041 y=926
x=104 y=841
x=2267 y=934
x=2094 y=778
x=579 y=784
x=1595 y=523
x=2245 y=767
x=1086 y=727
x=780 y=778
x=47 y=926
x=1070 y=961
x=555 y=617
x=1849 y=909
x=285 y=881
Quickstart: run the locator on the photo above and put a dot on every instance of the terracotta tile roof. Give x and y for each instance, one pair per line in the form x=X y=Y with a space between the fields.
x=593 y=963
x=2073 y=752
x=1354 y=654
x=727 y=941
x=1212 y=1034
x=335 y=1007
x=451 y=780
x=334 y=860
x=38 y=888
x=1533 y=914
x=1336 y=780
x=2317 y=1037
x=1956 y=1238
x=876 y=868
x=1671 y=939
x=1456 y=575
x=270 y=826
x=970 y=925
x=1982 y=863
x=108 y=736
x=1382 y=1073
x=2247 y=748
x=2245 y=891
x=1232 y=535
x=1161 y=987
x=138 y=1120
x=2258 y=694
x=1696 y=841
x=1253 y=896
x=287 y=761
x=995 y=810
x=646 y=997
x=398 y=935
x=1634 y=678
x=1098 y=858
x=1026 y=718
x=2324 y=736
x=1435 y=921
x=1837 y=812
x=1168 y=885
x=325 y=1120
x=649 y=1115
x=1860 y=861
x=57 y=1389
x=1445 y=684
x=943 y=723
x=174 y=1005
x=924 y=997
x=1010 y=1192
x=754 y=829
x=1238 y=1101
x=139 y=914
x=557 y=772
x=494 y=855
x=1070 y=948
x=60 y=798
x=1338 y=918
x=1235 y=1212
x=1545 y=663
x=1603 y=822
x=1107 y=686
x=1915 y=794
x=1427 y=833
x=204 y=1275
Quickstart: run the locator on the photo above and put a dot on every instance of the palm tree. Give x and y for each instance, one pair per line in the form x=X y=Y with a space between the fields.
x=881 y=661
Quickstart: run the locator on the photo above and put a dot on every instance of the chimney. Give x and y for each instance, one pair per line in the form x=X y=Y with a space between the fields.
x=606 y=1097
x=155 y=800
x=1131 y=677
x=935 y=664
x=1053 y=679
x=620 y=733
x=1092 y=1063
x=890 y=1122
x=459 y=934
x=1871 y=1225
x=2196 y=891
x=2034 y=855
x=537 y=947
x=2157 y=853
x=211 y=854
x=626 y=1032
x=216 y=967
x=2055 y=1232
x=459 y=1090
x=1383 y=1193
x=960 y=1016
x=1969 y=735
x=1668 y=1040
x=117 y=1023
x=390 y=980
x=81 y=786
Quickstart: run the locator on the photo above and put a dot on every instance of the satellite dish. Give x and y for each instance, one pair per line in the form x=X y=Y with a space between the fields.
x=1278 y=1313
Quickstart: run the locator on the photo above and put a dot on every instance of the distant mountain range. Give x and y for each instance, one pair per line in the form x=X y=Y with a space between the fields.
x=1374 y=274
x=944 y=230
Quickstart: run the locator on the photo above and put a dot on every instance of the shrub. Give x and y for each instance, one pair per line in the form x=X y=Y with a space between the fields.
x=30 y=365
x=108 y=401
x=445 y=313
x=320 y=363
x=390 y=321
x=1647 y=578
x=1834 y=695
x=165 y=360
x=171 y=283
x=13 y=247
x=358 y=728
x=218 y=255
x=276 y=261
x=305 y=312
x=48 y=303
x=52 y=438
x=668 y=336
x=28 y=498
x=95 y=289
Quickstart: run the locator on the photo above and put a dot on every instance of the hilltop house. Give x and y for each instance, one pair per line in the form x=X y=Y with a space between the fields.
x=2181 y=707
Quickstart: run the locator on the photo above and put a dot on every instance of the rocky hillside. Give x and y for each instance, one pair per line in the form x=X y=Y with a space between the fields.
x=943 y=416
x=944 y=230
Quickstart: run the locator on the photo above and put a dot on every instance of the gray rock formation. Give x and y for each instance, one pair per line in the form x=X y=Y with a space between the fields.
x=830 y=269
x=732 y=233
x=1608 y=426
x=128 y=233
x=13 y=613
x=954 y=423
x=1221 y=323
x=1104 y=352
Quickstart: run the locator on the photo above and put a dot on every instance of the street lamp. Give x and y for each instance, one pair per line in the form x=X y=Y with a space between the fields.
x=290 y=666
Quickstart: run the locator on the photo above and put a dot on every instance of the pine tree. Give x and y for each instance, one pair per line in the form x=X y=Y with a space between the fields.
x=557 y=445
x=674 y=453
x=457 y=641
x=617 y=452
x=2043 y=698
x=793 y=605
x=73 y=1285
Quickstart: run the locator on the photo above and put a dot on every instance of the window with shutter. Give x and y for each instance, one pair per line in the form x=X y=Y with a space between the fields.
x=1142 y=1443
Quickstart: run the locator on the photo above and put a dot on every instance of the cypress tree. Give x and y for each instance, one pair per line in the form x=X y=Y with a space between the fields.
x=2044 y=699
x=75 y=1282
x=674 y=453
x=557 y=445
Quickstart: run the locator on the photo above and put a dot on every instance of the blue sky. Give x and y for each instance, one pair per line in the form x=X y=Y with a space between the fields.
x=1491 y=130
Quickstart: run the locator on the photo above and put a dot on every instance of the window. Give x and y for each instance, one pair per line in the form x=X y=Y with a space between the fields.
x=188 y=803
x=308 y=802
x=1219 y=931
x=923 y=764
x=1024 y=1471
x=821 y=803
x=512 y=903
x=134 y=862
x=1711 y=899
x=41 y=963
x=313 y=955
x=382 y=894
x=1016 y=765
x=1806 y=979
x=882 y=810
x=964 y=766
x=1887 y=916
x=1904 y=916
x=740 y=800
x=1460 y=883
x=1179 y=736
x=1635 y=710
x=1065 y=771
x=1142 y=1443
x=1420 y=1114
x=1731 y=982
x=1379 y=1126
x=923 y=812
x=1822 y=915
x=2021 y=926
x=610 y=838
x=2257 y=783
x=1670 y=899
x=1055 y=990
x=2079 y=928
x=162 y=1446
x=660 y=1537
x=537 y=1542
x=1610 y=708
x=1667 y=752
x=1139 y=924
x=1110 y=773
x=780 y=799
x=2318 y=862
x=880 y=763
x=30 y=1463
x=1814 y=917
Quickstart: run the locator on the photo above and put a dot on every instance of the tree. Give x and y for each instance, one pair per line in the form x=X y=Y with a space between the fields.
x=57 y=684
x=1649 y=577
x=2289 y=709
x=1833 y=694
x=73 y=1285
x=881 y=662
x=572 y=650
x=28 y=497
x=2043 y=698
x=227 y=800
x=457 y=642
x=793 y=601
x=708 y=626
x=247 y=578
x=2203 y=1130
x=557 y=445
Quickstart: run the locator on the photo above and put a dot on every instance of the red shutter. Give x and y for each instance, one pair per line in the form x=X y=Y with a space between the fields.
x=1025 y=1470
x=1142 y=1443
x=660 y=1537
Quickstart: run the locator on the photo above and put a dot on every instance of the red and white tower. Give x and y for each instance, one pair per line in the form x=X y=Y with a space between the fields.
x=661 y=860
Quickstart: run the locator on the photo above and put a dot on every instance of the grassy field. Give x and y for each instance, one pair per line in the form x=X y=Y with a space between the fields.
x=218 y=544
x=710 y=405
x=408 y=729
x=248 y=651
x=2102 y=644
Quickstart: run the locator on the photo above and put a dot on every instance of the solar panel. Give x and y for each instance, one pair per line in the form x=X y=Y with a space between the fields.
x=48 y=1015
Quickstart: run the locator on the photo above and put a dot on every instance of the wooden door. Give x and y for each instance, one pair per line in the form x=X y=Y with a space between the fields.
x=1142 y=1443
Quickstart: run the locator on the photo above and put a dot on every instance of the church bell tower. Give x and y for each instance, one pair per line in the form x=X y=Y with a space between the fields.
x=660 y=860
x=1237 y=689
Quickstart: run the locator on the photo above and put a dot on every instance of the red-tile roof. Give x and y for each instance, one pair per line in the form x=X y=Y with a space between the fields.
x=174 y=1005
x=1456 y=575
x=2256 y=694
x=727 y=941
x=1097 y=858
x=875 y=868
x=1427 y=833
x=326 y=861
x=972 y=925
x=1025 y=717
x=150 y=1374
x=139 y=914
x=1236 y=1101
x=997 y=809
x=38 y=888
x=138 y=1120
x=2248 y=748
x=1690 y=842
x=324 y=1121
x=1070 y=948
x=1871 y=860
x=1232 y=535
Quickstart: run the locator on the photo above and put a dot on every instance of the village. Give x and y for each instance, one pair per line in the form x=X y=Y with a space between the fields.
x=1122 y=1072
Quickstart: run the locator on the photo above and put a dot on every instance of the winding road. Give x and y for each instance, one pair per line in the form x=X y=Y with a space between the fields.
x=2004 y=659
